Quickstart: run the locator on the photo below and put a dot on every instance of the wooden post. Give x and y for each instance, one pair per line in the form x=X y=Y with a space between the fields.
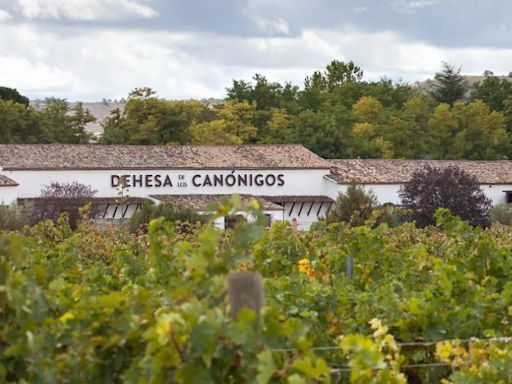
x=245 y=290
x=350 y=266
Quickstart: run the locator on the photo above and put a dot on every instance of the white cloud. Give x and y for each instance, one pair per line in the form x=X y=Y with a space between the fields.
x=107 y=63
x=4 y=15
x=37 y=76
x=275 y=26
x=85 y=9
x=410 y=6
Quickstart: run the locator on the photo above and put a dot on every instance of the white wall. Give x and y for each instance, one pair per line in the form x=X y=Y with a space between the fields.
x=296 y=182
x=305 y=213
x=8 y=195
x=388 y=193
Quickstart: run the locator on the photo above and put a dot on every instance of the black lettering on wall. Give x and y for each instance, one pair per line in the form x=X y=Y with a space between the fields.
x=230 y=180
x=137 y=180
x=270 y=180
x=218 y=180
x=242 y=180
x=114 y=181
x=258 y=180
x=280 y=180
x=158 y=181
x=167 y=181
x=195 y=182
x=149 y=180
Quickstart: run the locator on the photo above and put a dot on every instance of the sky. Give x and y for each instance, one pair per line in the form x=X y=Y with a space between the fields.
x=93 y=49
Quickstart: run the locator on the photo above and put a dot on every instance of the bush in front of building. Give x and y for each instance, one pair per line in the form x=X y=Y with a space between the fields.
x=355 y=206
x=502 y=213
x=431 y=188
x=58 y=198
x=12 y=217
x=185 y=218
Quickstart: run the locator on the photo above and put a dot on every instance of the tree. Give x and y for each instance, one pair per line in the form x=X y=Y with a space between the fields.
x=62 y=124
x=336 y=73
x=232 y=125
x=431 y=188
x=355 y=206
x=19 y=124
x=147 y=119
x=13 y=95
x=451 y=85
x=493 y=91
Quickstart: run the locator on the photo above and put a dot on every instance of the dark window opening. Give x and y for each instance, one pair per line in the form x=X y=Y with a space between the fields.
x=269 y=220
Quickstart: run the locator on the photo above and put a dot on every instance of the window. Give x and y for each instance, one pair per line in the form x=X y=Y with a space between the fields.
x=269 y=220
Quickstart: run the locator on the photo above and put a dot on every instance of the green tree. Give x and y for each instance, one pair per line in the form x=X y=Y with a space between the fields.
x=451 y=85
x=62 y=124
x=232 y=124
x=415 y=116
x=19 y=124
x=326 y=134
x=481 y=132
x=336 y=73
x=147 y=119
x=13 y=95
x=355 y=206
x=493 y=91
x=443 y=126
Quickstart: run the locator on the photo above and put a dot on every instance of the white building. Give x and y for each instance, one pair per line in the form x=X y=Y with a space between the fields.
x=291 y=182
x=288 y=179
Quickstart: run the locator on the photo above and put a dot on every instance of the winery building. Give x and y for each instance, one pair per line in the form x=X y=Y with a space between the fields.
x=291 y=182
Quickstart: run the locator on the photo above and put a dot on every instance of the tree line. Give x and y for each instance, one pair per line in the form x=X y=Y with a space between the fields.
x=336 y=114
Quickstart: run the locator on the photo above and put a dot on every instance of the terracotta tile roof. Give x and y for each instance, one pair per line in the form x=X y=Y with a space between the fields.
x=6 y=182
x=381 y=171
x=65 y=156
x=201 y=202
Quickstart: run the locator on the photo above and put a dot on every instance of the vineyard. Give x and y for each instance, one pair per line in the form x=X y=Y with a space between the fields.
x=420 y=306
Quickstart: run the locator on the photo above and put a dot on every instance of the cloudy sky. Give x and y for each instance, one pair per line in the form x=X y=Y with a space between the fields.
x=93 y=49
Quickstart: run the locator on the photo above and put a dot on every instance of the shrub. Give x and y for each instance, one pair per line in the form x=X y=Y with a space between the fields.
x=12 y=217
x=168 y=211
x=502 y=213
x=58 y=198
x=431 y=188
x=355 y=206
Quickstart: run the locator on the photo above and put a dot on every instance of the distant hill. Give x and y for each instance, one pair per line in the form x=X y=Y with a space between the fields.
x=428 y=84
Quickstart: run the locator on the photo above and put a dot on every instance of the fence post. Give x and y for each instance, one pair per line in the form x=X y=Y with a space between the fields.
x=245 y=290
x=350 y=266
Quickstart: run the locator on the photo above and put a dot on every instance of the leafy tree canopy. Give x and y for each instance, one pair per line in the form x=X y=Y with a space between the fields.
x=431 y=188
x=451 y=85
x=13 y=95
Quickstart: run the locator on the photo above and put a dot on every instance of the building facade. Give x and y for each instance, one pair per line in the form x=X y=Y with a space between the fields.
x=291 y=182
x=288 y=179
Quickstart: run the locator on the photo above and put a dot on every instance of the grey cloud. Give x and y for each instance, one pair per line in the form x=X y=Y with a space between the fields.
x=450 y=23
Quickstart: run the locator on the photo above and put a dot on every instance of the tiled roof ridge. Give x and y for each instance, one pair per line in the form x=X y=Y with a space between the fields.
x=398 y=171
x=7 y=182
x=98 y=156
